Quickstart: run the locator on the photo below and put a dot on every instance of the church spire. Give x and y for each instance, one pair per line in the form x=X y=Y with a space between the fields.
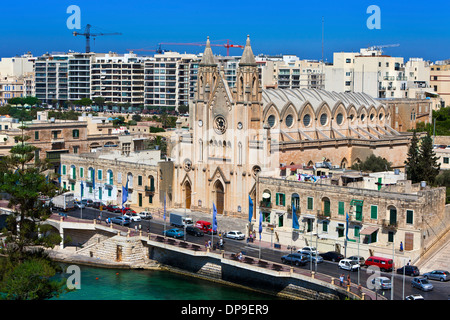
x=247 y=59
x=208 y=56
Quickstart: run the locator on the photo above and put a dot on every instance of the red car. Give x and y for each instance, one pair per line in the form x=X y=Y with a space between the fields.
x=113 y=208
x=127 y=209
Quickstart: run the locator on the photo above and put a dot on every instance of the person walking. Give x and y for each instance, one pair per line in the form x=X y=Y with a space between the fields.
x=341 y=280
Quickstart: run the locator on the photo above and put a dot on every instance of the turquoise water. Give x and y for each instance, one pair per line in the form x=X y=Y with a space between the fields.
x=120 y=284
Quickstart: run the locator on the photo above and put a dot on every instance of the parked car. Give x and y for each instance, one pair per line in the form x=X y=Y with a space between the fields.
x=133 y=216
x=409 y=270
x=414 y=297
x=385 y=264
x=145 y=215
x=349 y=265
x=235 y=235
x=421 y=283
x=295 y=258
x=79 y=204
x=113 y=208
x=440 y=275
x=358 y=259
x=308 y=249
x=122 y=220
x=332 y=256
x=312 y=255
x=383 y=283
x=87 y=202
x=194 y=231
x=126 y=209
x=98 y=204
x=176 y=233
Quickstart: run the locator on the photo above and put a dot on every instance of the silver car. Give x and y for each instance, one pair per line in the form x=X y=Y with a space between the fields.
x=440 y=275
x=383 y=283
x=421 y=283
x=308 y=255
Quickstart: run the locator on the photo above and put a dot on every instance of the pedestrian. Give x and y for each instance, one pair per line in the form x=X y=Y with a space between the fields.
x=348 y=280
x=209 y=244
x=341 y=280
x=240 y=257
x=135 y=228
x=401 y=246
x=206 y=244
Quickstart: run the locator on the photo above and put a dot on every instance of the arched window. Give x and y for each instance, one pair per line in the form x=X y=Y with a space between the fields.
x=130 y=180
x=239 y=154
x=200 y=150
x=110 y=176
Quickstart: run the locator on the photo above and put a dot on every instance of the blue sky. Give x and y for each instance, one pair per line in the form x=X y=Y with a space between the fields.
x=292 y=27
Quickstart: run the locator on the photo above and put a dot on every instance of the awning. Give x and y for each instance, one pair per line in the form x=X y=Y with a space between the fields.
x=308 y=216
x=368 y=230
x=266 y=195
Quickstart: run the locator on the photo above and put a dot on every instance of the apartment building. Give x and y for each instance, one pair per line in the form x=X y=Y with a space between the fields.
x=382 y=211
x=11 y=87
x=51 y=78
x=17 y=66
x=103 y=175
x=169 y=79
x=118 y=78
x=79 y=77
x=379 y=75
x=440 y=81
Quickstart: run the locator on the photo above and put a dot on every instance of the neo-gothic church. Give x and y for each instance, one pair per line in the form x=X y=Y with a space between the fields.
x=238 y=132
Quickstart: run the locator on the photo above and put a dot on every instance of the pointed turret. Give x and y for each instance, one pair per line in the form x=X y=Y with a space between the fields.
x=208 y=56
x=247 y=59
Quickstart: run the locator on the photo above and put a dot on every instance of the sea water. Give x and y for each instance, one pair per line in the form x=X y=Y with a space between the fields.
x=125 y=284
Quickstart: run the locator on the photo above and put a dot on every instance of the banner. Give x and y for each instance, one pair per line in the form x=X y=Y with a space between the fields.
x=250 y=209
x=295 y=224
x=214 y=217
x=260 y=224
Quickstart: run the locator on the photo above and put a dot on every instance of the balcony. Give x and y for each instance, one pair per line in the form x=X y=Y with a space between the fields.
x=265 y=204
x=150 y=189
x=389 y=225
x=322 y=215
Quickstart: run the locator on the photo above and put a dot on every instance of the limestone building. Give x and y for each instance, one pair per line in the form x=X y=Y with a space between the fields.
x=241 y=131
x=104 y=173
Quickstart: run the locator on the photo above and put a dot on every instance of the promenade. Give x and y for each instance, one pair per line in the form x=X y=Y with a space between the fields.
x=69 y=254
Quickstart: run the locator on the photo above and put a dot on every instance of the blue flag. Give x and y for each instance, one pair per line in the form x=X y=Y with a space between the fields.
x=250 y=209
x=124 y=193
x=214 y=218
x=260 y=224
x=93 y=179
x=295 y=224
x=346 y=227
x=82 y=190
x=164 y=207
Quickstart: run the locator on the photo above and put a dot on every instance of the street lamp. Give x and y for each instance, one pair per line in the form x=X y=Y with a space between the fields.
x=184 y=222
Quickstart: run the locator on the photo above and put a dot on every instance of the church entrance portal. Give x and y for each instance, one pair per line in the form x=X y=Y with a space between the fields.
x=220 y=196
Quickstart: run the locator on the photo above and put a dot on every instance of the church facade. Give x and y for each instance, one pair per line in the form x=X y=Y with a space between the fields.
x=238 y=132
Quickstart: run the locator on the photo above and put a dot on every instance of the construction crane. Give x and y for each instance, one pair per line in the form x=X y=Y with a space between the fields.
x=226 y=45
x=159 y=50
x=87 y=33
x=380 y=48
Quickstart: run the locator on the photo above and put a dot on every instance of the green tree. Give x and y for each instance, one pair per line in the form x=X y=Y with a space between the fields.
x=16 y=101
x=428 y=165
x=443 y=180
x=99 y=101
x=373 y=164
x=412 y=160
x=24 y=181
x=136 y=117
x=32 y=279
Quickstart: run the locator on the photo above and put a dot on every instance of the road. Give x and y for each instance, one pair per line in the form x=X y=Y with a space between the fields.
x=441 y=290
